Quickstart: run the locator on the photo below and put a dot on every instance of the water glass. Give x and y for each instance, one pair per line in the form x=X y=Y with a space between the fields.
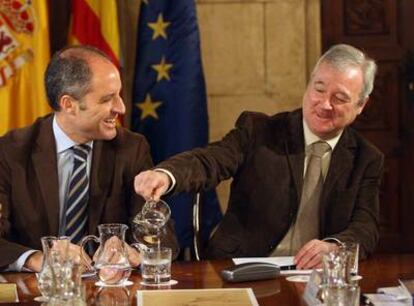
x=352 y=252
x=156 y=266
x=341 y=295
x=334 y=268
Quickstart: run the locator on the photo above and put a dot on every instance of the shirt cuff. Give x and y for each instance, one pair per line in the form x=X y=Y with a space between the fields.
x=170 y=175
x=18 y=265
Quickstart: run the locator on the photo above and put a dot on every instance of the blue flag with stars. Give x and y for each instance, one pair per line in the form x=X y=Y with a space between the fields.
x=170 y=106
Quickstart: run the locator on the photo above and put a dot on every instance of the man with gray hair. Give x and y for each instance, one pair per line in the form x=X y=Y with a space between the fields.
x=303 y=181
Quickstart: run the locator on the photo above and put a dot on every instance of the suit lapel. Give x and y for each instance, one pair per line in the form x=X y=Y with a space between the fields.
x=342 y=159
x=295 y=150
x=45 y=165
x=102 y=173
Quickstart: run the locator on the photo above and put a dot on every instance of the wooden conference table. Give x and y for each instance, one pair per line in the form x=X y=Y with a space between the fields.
x=378 y=271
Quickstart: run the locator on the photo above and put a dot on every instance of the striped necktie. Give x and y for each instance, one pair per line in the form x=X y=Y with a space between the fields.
x=77 y=199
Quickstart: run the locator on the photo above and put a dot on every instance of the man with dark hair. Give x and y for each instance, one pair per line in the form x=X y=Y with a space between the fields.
x=303 y=181
x=73 y=169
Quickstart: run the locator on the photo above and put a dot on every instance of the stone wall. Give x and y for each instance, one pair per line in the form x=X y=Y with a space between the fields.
x=257 y=56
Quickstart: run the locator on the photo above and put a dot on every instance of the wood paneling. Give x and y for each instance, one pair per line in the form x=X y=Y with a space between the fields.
x=381 y=27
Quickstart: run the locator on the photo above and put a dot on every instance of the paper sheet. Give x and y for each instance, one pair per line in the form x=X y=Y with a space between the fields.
x=198 y=297
x=8 y=293
x=386 y=300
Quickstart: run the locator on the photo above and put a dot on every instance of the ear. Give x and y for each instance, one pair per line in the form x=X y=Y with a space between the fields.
x=68 y=104
x=361 y=105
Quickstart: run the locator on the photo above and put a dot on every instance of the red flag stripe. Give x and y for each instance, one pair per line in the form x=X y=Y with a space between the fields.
x=86 y=28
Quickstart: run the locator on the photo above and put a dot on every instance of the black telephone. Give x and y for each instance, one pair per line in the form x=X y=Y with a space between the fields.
x=250 y=272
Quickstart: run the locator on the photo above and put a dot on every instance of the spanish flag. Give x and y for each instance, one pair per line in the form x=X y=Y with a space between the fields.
x=95 y=23
x=24 y=54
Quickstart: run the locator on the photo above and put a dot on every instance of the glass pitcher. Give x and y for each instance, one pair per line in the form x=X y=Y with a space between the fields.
x=149 y=223
x=111 y=258
x=55 y=250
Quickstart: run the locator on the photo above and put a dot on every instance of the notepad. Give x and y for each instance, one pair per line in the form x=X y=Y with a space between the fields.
x=205 y=297
x=8 y=293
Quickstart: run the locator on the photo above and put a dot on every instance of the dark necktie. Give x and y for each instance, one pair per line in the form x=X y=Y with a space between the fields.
x=77 y=199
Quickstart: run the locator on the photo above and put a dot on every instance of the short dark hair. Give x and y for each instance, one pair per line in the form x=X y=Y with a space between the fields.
x=69 y=73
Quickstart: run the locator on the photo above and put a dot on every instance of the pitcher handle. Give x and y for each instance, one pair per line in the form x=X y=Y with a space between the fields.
x=140 y=247
x=84 y=256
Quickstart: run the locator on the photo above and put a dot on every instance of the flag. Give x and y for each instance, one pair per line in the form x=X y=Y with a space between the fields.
x=95 y=23
x=170 y=106
x=24 y=55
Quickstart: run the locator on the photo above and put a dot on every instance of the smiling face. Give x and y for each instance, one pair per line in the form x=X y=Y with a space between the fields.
x=93 y=117
x=332 y=99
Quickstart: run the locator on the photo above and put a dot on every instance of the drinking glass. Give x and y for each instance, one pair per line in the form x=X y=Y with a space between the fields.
x=352 y=252
x=156 y=266
x=334 y=268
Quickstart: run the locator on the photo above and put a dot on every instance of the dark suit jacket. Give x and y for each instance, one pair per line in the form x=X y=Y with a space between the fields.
x=265 y=156
x=29 y=185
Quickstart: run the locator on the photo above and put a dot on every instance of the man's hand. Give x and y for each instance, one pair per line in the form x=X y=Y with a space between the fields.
x=151 y=184
x=0 y=211
x=310 y=255
x=111 y=252
x=34 y=262
x=133 y=256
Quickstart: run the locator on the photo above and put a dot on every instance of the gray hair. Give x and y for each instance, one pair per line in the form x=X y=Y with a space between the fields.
x=344 y=56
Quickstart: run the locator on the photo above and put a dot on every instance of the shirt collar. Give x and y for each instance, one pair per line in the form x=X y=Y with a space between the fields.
x=63 y=142
x=311 y=138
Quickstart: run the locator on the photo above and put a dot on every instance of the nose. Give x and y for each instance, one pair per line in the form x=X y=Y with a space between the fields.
x=326 y=102
x=119 y=106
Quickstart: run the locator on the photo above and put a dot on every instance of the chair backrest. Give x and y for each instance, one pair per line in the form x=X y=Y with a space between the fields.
x=197 y=239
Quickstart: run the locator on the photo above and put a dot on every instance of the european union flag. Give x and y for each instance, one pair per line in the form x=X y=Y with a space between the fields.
x=170 y=106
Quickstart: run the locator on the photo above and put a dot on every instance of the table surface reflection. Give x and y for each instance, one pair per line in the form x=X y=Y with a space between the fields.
x=378 y=271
